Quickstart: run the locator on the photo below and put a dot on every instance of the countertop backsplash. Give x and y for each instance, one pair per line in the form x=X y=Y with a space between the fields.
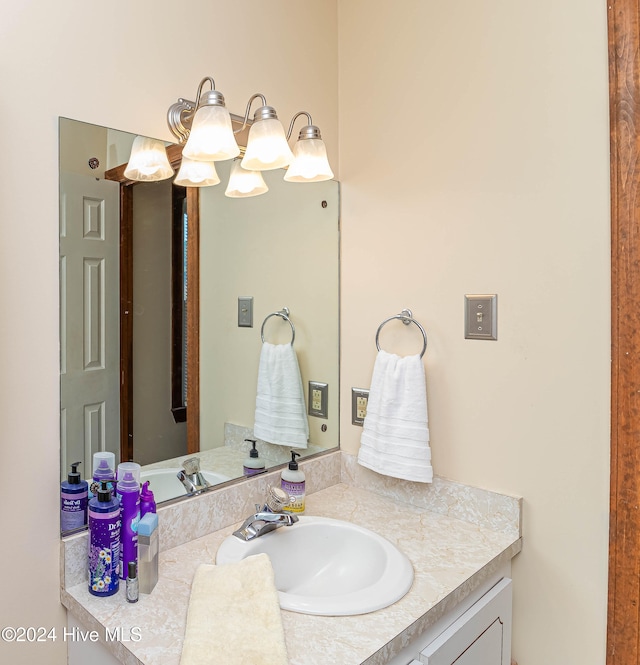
x=186 y=520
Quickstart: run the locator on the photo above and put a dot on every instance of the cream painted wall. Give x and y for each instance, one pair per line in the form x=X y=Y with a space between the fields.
x=499 y=185
x=115 y=64
x=474 y=159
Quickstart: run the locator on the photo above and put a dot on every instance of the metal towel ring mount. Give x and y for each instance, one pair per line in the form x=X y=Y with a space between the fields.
x=406 y=316
x=283 y=314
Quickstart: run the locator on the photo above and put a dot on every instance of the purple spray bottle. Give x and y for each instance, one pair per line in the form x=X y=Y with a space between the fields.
x=128 y=487
x=147 y=500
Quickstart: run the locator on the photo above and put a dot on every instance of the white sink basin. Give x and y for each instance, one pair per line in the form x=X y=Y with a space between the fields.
x=165 y=485
x=328 y=567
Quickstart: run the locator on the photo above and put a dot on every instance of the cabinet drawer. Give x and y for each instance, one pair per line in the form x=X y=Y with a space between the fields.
x=481 y=636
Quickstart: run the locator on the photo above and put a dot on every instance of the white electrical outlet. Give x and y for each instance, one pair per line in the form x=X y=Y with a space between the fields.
x=359 y=403
x=318 y=398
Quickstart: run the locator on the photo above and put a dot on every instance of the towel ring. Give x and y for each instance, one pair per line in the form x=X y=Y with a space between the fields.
x=283 y=314
x=406 y=316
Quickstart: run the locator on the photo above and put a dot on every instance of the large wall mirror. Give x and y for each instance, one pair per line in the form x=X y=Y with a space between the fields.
x=154 y=366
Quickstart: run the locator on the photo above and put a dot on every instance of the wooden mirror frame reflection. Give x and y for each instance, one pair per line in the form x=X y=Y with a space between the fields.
x=174 y=153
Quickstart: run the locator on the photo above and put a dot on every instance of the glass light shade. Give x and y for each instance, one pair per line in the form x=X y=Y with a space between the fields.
x=310 y=163
x=196 y=174
x=211 y=138
x=148 y=161
x=243 y=183
x=267 y=147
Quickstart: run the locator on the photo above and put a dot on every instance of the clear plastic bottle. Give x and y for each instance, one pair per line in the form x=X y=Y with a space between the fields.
x=104 y=468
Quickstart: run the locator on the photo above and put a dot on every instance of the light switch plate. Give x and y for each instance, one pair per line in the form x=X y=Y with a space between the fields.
x=481 y=316
x=318 y=398
x=245 y=311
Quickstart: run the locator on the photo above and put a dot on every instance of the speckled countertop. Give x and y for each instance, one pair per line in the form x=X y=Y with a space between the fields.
x=451 y=557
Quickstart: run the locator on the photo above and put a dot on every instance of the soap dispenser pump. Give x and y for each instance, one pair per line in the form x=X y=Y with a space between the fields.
x=253 y=465
x=293 y=483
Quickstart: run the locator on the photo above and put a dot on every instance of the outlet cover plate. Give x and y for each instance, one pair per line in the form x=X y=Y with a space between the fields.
x=358 y=408
x=318 y=399
x=481 y=316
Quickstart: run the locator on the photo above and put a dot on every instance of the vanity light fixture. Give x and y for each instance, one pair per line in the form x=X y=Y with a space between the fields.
x=267 y=147
x=243 y=183
x=205 y=125
x=310 y=163
x=211 y=138
x=193 y=173
x=148 y=161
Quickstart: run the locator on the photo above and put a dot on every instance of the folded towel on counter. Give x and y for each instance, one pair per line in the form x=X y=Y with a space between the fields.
x=395 y=433
x=234 y=616
x=281 y=416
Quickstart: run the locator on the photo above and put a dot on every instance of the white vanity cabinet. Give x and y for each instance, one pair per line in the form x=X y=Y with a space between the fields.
x=481 y=636
x=478 y=632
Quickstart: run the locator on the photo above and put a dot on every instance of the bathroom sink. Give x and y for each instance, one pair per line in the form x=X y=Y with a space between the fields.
x=328 y=567
x=165 y=485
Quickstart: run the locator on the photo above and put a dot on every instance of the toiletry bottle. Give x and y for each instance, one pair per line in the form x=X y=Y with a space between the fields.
x=147 y=500
x=128 y=486
x=73 y=500
x=132 y=587
x=104 y=468
x=148 y=549
x=292 y=482
x=104 y=542
x=253 y=465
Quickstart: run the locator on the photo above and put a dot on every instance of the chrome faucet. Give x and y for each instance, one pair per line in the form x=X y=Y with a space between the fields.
x=267 y=518
x=191 y=477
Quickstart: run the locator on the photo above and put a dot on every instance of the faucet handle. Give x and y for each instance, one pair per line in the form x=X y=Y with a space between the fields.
x=191 y=465
x=277 y=499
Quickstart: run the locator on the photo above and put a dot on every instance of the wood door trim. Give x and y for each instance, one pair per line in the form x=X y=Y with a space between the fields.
x=623 y=622
x=126 y=322
x=193 y=320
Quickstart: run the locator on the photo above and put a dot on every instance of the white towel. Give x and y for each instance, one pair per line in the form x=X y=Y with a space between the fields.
x=234 y=616
x=395 y=433
x=281 y=416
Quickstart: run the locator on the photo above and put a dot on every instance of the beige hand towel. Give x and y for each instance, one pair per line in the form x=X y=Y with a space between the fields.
x=234 y=616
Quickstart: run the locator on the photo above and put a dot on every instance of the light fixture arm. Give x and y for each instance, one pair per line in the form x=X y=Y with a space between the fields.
x=180 y=115
x=245 y=120
x=309 y=131
x=199 y=93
